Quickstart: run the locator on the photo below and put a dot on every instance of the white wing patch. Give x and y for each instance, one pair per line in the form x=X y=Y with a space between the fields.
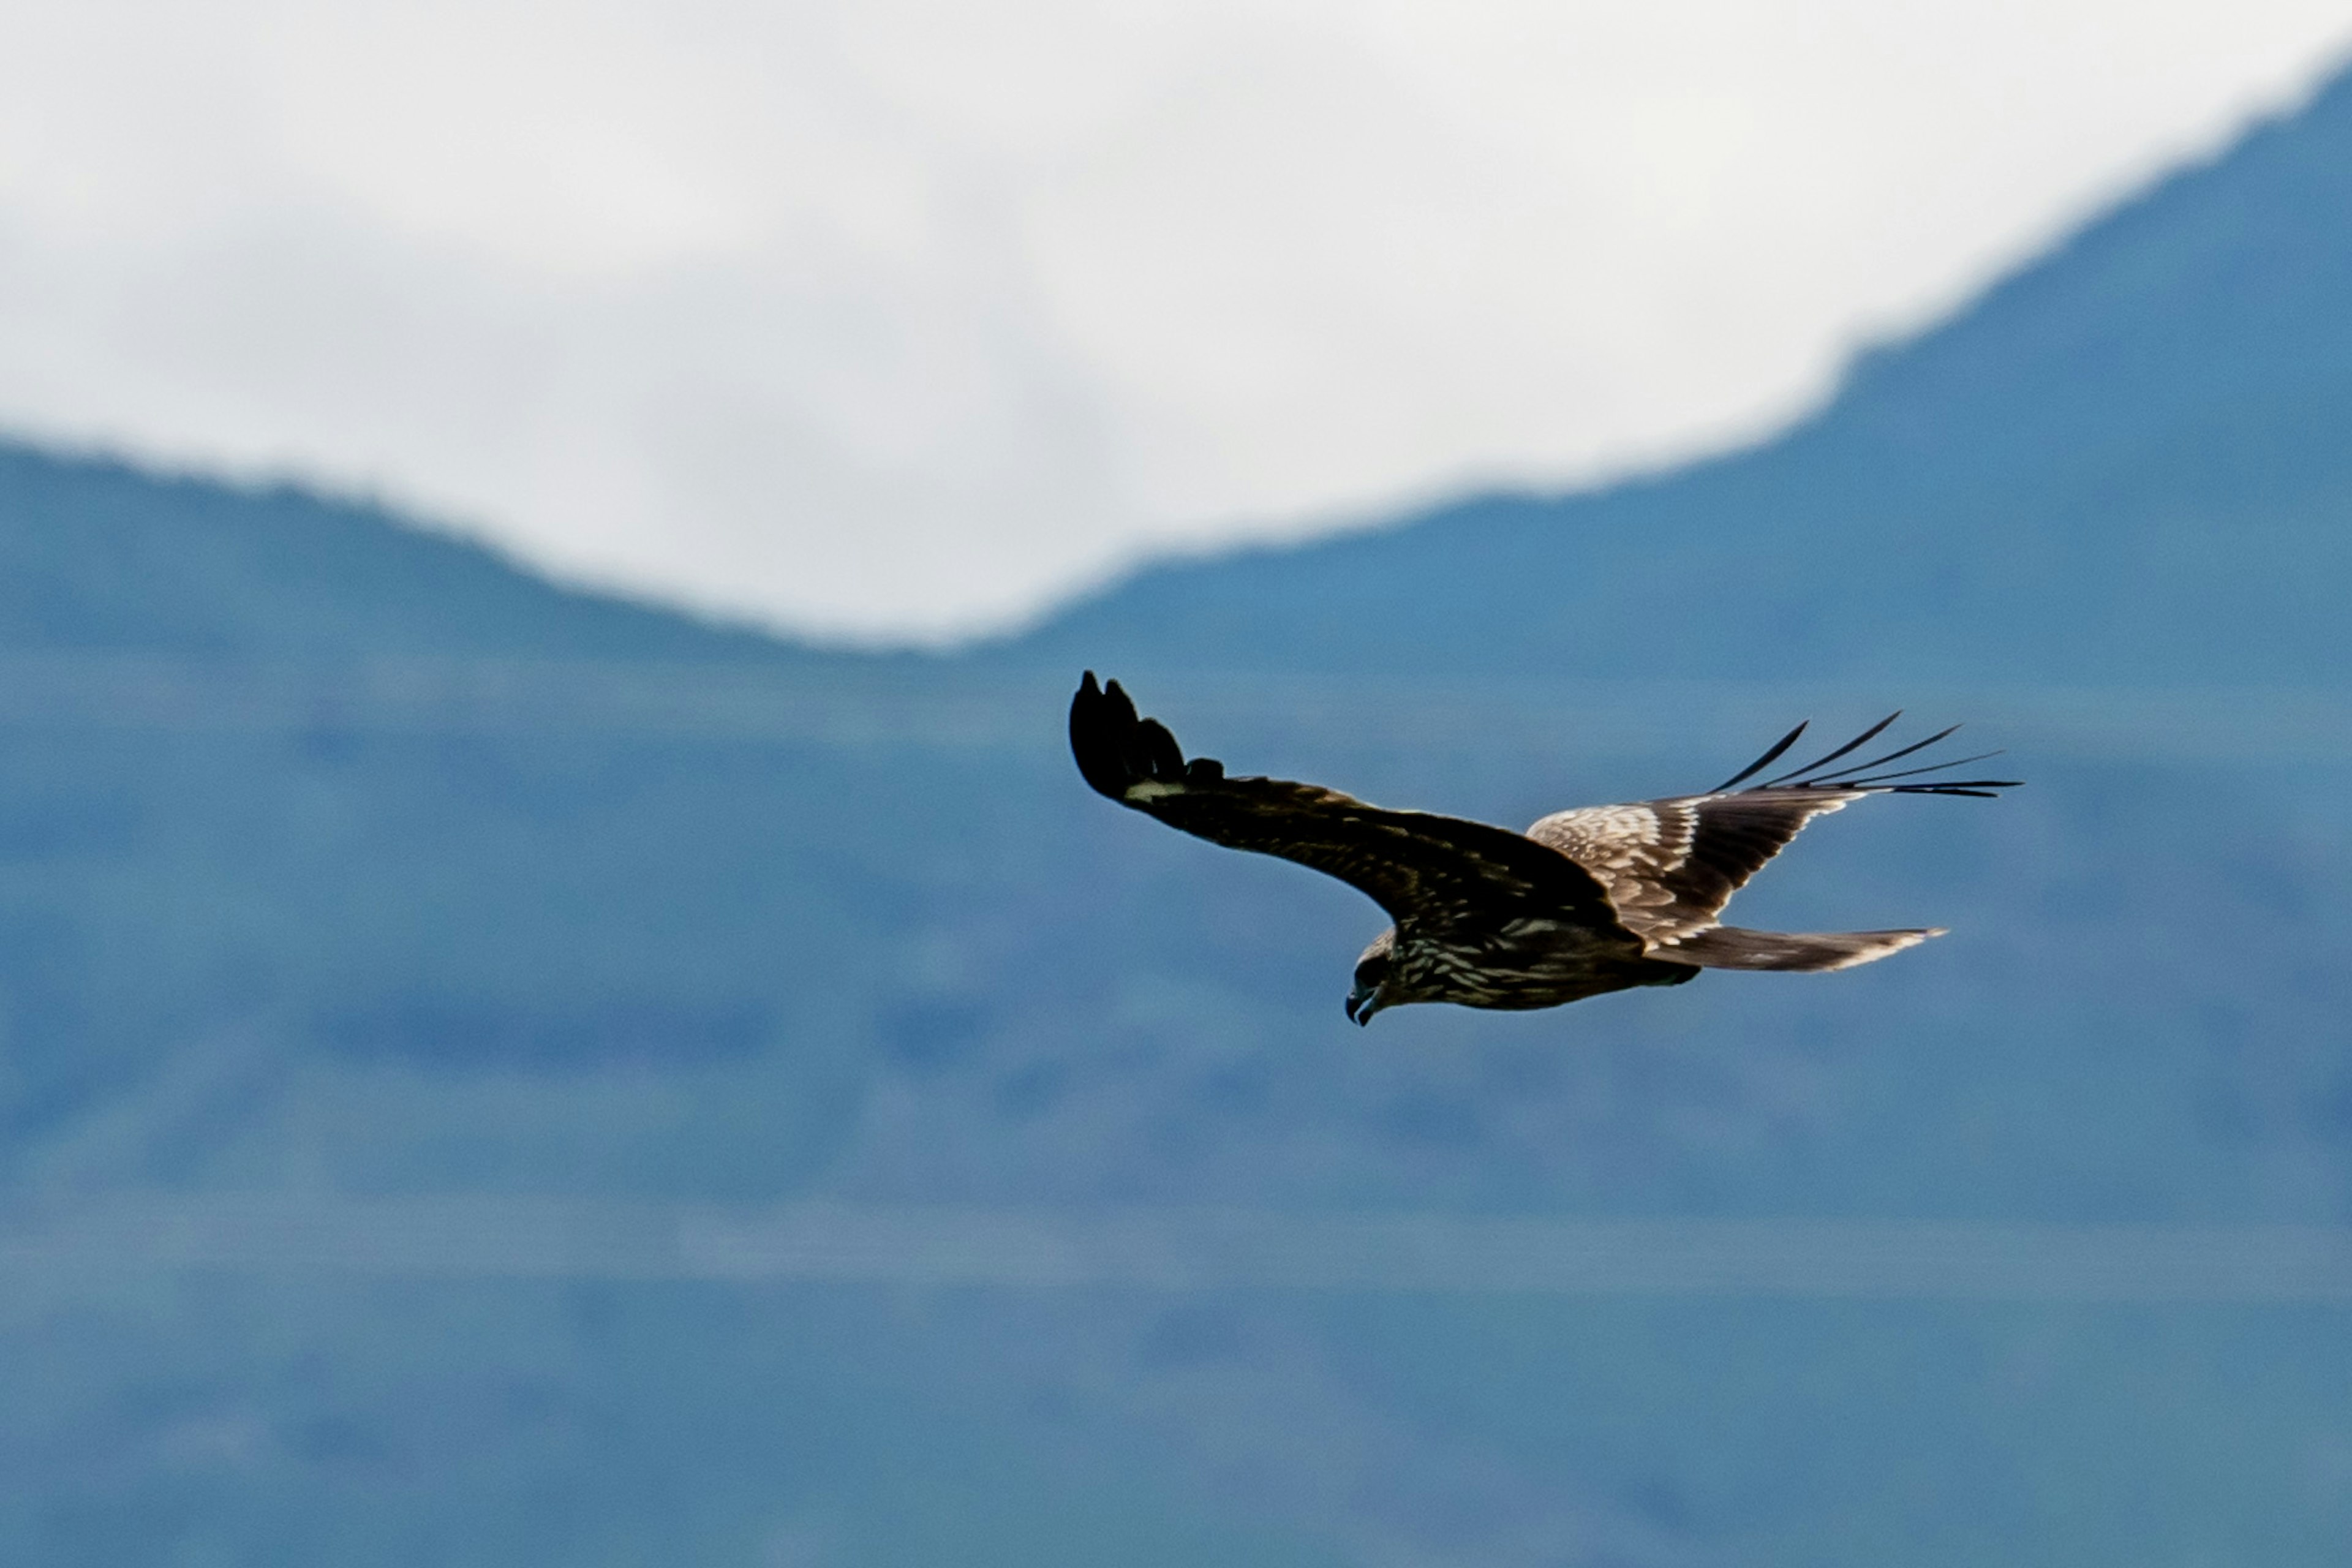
x=1643 y=854
x=1629 y=849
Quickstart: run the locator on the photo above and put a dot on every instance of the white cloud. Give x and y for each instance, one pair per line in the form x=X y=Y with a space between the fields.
x=898 y=316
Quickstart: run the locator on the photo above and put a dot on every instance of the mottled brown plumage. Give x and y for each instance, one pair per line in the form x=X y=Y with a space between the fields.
x=1585 y=901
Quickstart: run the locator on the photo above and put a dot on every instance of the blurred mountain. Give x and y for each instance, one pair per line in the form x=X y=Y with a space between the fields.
x=345 y=867
x=2098 y=472
x=102 y=555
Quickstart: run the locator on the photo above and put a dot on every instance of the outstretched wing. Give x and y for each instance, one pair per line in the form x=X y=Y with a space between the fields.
x=1671 y=866
x=1416 y=866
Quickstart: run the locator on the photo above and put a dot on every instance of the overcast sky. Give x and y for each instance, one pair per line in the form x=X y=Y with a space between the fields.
x=899 y=317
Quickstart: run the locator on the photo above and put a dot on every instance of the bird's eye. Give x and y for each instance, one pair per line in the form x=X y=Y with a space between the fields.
x=1371 y=971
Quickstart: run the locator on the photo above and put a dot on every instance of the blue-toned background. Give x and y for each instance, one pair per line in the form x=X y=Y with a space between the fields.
x=493 y=1076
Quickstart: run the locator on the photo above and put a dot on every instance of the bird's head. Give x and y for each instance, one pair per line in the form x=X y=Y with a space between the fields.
x=1372 y=990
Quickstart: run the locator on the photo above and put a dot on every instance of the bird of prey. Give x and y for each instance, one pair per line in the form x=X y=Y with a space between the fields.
x=1586 y=902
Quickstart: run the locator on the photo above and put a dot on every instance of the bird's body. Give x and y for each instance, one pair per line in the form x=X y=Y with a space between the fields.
x=1517 y=964
x=1586 y=902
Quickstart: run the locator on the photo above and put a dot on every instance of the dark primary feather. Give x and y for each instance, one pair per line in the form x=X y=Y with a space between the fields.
x=1733 y=836
x=1856 y=744
x=1415 y=865
x=1766 y=761
x=1863 y=776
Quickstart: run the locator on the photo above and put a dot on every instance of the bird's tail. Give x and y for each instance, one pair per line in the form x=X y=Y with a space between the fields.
x=1734 y=947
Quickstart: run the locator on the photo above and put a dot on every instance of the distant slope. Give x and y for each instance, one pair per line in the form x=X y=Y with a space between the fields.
x=2095 y=473
x=95 y=554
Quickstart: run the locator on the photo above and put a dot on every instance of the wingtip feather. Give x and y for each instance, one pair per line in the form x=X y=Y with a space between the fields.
x=1866 y=777
x=1118 y=750
x=1819 y=763
x=1098 y=737
x=1766 y=761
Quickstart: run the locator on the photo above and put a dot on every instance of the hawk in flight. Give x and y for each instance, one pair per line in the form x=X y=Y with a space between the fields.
x=1594 y=899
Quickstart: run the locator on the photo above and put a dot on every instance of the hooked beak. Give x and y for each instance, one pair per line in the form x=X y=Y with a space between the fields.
x=1362 y=1003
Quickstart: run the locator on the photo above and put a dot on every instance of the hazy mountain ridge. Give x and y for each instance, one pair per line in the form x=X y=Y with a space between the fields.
x=101 y=554
x=2093 y=474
